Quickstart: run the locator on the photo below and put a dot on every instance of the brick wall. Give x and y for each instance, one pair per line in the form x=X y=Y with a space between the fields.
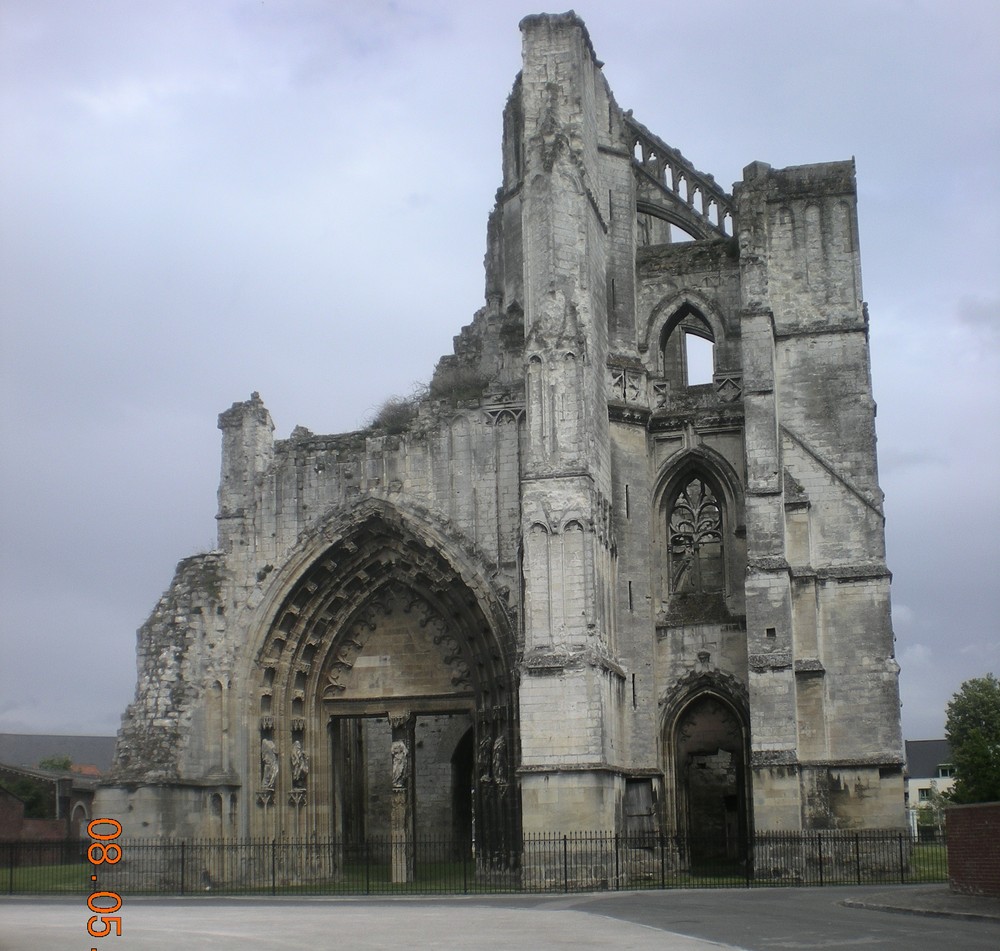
x=11 y=816
x=47 y=830
x=14 y=827
x=974 y=848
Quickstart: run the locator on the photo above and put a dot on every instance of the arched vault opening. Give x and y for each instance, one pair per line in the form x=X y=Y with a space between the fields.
x=387 y=671
x=706 y=768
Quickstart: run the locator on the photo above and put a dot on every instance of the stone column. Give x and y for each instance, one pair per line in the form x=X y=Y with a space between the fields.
x=402 y=824
x=567 y=682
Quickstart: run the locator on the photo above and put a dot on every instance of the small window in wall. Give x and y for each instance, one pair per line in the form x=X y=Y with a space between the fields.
x=924 y=795
x=946 y=770
x=700 y=359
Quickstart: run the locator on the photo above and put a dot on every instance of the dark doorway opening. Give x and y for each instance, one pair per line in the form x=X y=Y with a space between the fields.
x=710 y=745
x=443 y=776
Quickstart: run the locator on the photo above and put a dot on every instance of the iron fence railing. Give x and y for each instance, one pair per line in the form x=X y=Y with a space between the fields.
x=541 y=863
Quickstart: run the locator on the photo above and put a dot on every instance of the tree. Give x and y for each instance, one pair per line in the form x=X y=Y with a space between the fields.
x=930 y=814
x=31 y=792
x=58 y=764
x=973 y=731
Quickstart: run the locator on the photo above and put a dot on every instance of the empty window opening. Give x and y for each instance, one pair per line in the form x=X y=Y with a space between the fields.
x=687 y=350
x=700 y=354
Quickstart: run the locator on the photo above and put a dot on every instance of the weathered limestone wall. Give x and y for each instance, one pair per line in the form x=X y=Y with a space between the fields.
x=823 y=675
x=461 y=465
x=571 y=686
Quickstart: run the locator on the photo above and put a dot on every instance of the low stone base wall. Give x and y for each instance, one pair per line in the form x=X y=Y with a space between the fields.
x=827 y=857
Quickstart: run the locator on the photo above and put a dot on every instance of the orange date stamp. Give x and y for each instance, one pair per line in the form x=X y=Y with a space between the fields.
x=103 y=905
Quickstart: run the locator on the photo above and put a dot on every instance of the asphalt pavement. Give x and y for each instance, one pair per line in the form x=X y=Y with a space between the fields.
x=926 y=918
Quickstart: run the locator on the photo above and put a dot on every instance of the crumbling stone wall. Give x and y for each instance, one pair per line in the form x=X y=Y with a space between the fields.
x=179 y=648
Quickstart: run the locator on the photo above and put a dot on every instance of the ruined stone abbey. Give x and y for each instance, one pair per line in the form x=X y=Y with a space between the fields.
x=622 y=568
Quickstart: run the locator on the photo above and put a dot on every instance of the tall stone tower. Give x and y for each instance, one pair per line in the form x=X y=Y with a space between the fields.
x=623 y=568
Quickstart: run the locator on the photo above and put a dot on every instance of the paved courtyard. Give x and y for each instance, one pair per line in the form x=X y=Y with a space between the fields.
x=759 y=920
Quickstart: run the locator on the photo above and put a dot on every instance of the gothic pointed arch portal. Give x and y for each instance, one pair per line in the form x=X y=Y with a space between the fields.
x=386 y=696
x=706 y=742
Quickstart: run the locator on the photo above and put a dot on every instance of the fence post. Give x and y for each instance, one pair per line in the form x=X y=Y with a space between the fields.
x=663 y=861
x=565 y=864
x=819 y=853
x=274 y=858
x=857 y=855
x=12 y=856
x=902 y=866
x=617 y=865
x=182 y=867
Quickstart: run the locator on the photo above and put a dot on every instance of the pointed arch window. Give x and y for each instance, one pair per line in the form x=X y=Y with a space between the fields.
x=695 y=543
x=687 y=350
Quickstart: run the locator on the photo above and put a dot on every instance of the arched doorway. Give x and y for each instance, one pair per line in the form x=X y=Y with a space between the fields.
x=78 y=820
x=385 y=693
x=709 y=742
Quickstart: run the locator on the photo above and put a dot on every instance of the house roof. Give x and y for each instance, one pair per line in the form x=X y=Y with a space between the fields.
x=923 y=757
x=26 y=749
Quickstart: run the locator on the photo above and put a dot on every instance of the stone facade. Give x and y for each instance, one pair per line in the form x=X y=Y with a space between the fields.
x=576 y=586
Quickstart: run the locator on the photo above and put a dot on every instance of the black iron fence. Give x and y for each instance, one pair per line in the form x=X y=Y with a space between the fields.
x=543 y=863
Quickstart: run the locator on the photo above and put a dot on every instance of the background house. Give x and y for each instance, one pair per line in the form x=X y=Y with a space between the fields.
x=929 y=772
x=37 y=803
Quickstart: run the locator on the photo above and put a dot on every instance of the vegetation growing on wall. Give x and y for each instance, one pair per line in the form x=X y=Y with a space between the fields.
x=395 y=415
x=457 y=382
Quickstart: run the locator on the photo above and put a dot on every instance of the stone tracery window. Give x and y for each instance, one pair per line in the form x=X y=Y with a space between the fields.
x=694 y=526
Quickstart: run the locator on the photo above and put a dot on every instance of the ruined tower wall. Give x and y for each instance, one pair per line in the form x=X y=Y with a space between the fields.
x=571 y=686
x=826 y=738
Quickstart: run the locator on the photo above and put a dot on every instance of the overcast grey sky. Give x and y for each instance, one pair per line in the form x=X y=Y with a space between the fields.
x=202 y=199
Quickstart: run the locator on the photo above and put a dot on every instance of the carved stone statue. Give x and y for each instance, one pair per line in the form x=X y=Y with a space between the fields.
x=269 y=763
x=399 y=764
x=300 y=764
x=500 y=760
x=485 y=754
